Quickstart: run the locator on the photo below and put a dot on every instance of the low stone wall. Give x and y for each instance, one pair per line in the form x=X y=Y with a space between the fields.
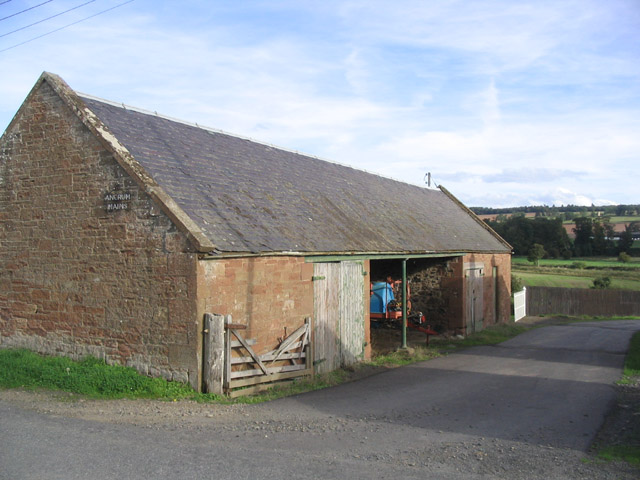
x=581 y=301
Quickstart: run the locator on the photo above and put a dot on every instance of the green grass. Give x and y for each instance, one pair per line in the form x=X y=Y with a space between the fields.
x=558 y=281
x=569 y=281
x=492 y=335
x=632 y=361
x=589 y=262
x=90 y=377
x=404 y=357
x=627 y=453
x=630 y=218
x=95 y=379
x=577 y=272
x=629 y=448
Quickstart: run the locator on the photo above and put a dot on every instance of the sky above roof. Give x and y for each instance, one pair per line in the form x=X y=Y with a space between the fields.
x=505 y=103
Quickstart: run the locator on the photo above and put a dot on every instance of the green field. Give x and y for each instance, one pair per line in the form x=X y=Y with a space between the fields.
x=624 y=219
x=613 y=219
x=577 y=272
x=569 y=281
x=598 y=262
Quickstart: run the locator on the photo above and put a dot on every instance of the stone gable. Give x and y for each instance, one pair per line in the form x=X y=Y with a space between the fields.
x=89 y=265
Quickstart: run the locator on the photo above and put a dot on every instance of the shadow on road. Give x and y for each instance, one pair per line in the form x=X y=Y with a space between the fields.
x=551 y=386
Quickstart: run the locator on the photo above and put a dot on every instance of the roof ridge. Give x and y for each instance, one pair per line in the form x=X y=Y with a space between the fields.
x=241 y=137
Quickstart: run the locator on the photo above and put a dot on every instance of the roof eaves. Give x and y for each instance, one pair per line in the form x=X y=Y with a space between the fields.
x=126 y=160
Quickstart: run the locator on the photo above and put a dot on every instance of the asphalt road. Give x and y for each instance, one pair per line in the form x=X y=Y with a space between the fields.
x=527 y=408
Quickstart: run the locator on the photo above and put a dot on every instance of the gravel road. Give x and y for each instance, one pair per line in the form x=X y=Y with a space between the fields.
x=526 y=409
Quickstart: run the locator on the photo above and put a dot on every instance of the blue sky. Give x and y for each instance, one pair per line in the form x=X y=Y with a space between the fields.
x=505 y=102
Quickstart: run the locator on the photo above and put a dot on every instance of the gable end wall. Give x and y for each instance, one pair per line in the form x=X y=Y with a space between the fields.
x=77 y=280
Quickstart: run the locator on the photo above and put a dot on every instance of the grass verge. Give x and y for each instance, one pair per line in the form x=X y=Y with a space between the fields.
x=488 y=336
x=94 y=378
x=631 y=373
x=626 y=446
x=90 y=377
x=626 y=453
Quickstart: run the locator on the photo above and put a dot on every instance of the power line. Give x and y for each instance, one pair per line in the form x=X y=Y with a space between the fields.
x=25 y=10
x=5 y=1
x=66 y=26
x=48 y=18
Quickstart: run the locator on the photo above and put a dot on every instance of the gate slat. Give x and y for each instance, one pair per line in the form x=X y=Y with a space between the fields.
x=267 y=358
x=270 y=372
x=248 y=348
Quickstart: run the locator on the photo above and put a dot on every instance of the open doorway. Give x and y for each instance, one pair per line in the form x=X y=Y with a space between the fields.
x=428 y=300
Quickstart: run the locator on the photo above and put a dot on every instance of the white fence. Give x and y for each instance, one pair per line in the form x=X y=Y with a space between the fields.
x=520 y=304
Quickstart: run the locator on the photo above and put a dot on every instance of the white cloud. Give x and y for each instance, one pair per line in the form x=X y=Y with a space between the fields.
x=471 y=91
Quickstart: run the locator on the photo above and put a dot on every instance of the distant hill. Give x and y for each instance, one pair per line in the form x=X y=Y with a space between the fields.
x=566 y=212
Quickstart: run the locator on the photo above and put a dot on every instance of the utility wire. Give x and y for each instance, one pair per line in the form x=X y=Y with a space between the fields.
x=45 y=19
x=66 y=26
x=5 y=1
x=25 y=10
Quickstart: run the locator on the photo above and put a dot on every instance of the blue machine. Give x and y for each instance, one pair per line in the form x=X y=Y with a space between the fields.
x=382 y=295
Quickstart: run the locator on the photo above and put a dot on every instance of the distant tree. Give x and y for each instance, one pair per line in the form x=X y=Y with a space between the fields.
x=516 y=284
x=601 y=282
x=536 y=252
x=550 y=233
x=599 y=244
x=584 y=232
x=523 y=232
x=626 y=238
x=609 y=234
x=519 y=233
x=624 y=257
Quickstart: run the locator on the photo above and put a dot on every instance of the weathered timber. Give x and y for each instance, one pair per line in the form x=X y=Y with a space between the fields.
x=295 y=348
x=237 y=344
x=268 y=378
x=266 y=358
x=227 y=354
x=271 y=370
x=214 y=354
x=248 y=348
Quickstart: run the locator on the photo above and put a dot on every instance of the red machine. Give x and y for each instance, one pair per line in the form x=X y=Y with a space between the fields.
x=385 y=306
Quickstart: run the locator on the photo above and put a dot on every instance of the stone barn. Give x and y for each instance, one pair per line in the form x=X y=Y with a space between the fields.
x=122 y=229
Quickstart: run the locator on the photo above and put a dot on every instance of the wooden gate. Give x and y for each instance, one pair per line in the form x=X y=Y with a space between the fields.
x=339 y=315
x=520 y=304
x=232 y=366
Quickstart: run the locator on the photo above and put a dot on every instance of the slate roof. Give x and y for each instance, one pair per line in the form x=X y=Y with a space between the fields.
x=247 y=196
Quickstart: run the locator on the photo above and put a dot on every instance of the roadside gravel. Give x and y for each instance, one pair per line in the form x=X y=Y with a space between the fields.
x=361 y=439
x=388 y=441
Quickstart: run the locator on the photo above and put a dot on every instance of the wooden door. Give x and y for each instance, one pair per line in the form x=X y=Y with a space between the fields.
x=339 y=315
x=351 y=313
x=474 y=303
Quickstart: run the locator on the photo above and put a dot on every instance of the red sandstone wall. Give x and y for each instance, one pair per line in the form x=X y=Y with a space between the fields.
x=74 y=279
x=503 y=264
x=503 y=283
x=268 y=294
x=455 y=287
